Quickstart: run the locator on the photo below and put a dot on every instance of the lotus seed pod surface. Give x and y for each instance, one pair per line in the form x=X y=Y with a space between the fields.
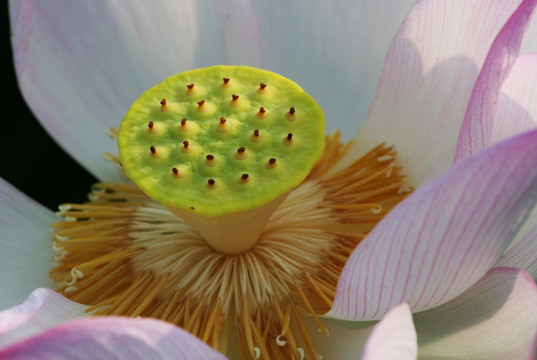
x=221 y=139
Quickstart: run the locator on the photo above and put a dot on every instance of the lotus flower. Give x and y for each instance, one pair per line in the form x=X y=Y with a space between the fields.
x=455 y=98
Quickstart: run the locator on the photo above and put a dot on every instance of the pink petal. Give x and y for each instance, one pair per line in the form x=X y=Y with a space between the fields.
x=444 y=237
x=427 y=80
x=523 y=254
x=80 y=66
x=43 y=309
x=476 y=129
x=517 y=110
x=394 y=337
x=495 y=319
x=517 y=103
x=26 y=243
x=112 y=338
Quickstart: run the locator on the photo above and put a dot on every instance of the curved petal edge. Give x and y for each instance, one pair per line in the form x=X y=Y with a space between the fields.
x=444 y=237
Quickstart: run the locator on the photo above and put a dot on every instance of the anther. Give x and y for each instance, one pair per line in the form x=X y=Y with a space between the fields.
x=154 y=152
x=244 y=179
x=241 y=153
x=281 y=340
x=288 y=140
x=210 y=160
x=271 y=164
x=290 y=115
x=187 y=147
x=234 y=100
x=202 y=106
x=163 y=105
x=261 y=113
x=190 y=90
x=256 y=136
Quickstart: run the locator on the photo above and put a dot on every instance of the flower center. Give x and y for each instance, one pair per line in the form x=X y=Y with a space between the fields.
x=123 y=253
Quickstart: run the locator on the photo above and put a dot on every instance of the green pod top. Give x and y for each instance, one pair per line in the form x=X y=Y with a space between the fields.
x=221 y=139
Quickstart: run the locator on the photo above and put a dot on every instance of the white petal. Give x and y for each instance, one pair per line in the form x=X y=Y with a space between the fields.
x=495 y=319
x=81 y=65
x=346 y=340
x=26 y=243
x=394 y=337
x=333 y=49
x=523 y=254
x=81 y=72
x=530 y=41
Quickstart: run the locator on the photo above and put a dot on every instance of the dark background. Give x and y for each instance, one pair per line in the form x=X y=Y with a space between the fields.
x=35 y=173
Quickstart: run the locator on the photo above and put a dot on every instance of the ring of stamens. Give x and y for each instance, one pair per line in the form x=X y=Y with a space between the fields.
x=125 y=254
